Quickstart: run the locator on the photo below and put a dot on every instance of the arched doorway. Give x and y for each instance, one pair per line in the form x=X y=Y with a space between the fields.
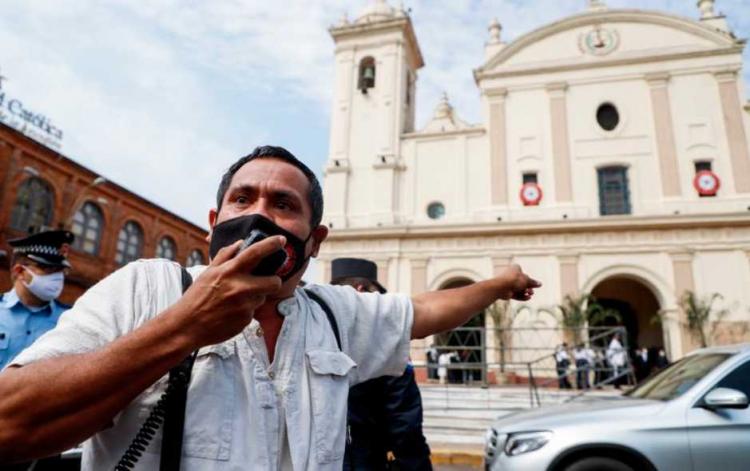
x=638 y=308
x=467 y=341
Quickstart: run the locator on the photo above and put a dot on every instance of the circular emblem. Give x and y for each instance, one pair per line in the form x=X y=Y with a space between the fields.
x=531 y=194
x=598 y=41
x=707 y=183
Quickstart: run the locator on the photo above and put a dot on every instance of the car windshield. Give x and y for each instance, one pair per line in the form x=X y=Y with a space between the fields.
x=678 y=378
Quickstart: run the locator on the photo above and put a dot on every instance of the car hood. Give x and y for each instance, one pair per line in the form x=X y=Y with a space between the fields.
x=579 y=413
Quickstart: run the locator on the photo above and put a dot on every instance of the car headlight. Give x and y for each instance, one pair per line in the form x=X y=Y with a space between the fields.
x=524 y=442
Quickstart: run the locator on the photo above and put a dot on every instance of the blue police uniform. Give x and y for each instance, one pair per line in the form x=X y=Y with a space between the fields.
x=21 y=325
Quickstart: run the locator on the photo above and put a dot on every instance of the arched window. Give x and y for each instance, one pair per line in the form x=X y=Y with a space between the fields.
x=366 y=74
x=88 y=225
x=129 y=243
x=166 y=248
x=195 y=258
x=33 y=208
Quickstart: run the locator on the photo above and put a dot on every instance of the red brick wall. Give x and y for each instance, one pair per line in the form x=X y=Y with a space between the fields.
x=70 y=182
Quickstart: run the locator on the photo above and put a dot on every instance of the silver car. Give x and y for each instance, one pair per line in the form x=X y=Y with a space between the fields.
x=691 y=416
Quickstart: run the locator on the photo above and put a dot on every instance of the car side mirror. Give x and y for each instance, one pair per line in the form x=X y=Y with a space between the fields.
x=725 y=398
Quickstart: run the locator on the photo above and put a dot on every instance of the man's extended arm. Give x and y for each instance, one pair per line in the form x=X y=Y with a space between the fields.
x=438 y=311
x=50 y=405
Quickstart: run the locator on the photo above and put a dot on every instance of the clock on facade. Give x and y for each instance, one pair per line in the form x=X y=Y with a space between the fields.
x=531 y=194
x=706 y=183
x=599 y=41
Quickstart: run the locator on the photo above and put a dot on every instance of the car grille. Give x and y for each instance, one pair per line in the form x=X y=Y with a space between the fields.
x=493 y=446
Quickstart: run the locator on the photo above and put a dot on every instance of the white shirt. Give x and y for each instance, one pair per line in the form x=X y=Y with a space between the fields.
x=580 y=354
x=561 y=355
x=615 y=353
x=239 y=406
x=590 y=356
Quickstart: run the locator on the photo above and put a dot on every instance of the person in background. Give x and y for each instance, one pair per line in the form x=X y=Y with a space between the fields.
x=37 y=269
x=661 y=360
x=582 y=357
x=600 y=368
x=642 y=364
x=444 y=359
x=562 y=362
x=30 y=308
x=617 y=358
x=432 y=361
x=385 y=414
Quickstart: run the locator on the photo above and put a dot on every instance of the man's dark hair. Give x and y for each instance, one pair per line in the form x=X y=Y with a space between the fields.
x=314 y=197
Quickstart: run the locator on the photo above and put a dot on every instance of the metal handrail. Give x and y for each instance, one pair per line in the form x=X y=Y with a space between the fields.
x=534 y=386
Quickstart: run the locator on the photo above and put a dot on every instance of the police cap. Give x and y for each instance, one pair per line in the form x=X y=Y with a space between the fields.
x=46 y=248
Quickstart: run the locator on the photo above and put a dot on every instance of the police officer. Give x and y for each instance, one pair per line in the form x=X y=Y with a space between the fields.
x=385 y=414
x=29 y=309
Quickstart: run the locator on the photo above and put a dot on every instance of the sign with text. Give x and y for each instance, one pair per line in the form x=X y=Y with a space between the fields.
x=37 y=126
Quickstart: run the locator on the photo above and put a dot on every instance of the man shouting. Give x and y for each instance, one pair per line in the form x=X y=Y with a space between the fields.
x=269 y=384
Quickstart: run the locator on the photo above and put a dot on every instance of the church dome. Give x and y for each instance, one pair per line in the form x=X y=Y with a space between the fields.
x=378 y=10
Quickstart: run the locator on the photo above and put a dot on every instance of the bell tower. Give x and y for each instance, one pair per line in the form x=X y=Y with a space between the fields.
x=376 y=61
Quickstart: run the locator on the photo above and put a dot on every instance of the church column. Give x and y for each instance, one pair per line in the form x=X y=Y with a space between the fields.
x=500 y=263
x=568 y=275
x=498 y=147
x=382 y=263
x=682 y=267
x=419 y=346
x=664 y=131
x=731 y=107
x=568 y=265
x=324 y=270
x=560 y=141
x=418 y=275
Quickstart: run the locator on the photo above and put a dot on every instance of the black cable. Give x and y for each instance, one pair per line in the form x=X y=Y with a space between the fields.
x=177 y=381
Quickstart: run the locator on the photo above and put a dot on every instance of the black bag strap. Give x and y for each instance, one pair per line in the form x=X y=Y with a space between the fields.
x=174 y=418
x=329 y=314
x=168 y=410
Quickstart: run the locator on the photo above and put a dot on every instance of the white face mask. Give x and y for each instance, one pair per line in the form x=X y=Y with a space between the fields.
x=46 y=287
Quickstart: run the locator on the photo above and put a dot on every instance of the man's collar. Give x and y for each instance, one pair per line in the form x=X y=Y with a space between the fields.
x=11 y=299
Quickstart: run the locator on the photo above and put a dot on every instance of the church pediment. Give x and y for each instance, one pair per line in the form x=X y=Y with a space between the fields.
x=608 y=35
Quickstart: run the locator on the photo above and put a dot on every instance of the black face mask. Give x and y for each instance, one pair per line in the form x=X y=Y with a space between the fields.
x=283 y=263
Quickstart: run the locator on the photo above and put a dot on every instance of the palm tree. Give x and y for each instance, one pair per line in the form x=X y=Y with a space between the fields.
x=702 y=318
x=576 y=312
x=502 y=321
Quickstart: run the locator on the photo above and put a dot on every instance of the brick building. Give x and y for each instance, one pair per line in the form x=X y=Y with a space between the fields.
x=40 y=187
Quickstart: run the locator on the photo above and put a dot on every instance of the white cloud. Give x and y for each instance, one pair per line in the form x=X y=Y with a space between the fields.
x=161 y=96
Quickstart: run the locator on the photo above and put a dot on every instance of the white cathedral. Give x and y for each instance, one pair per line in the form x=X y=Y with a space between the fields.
x=612 y=159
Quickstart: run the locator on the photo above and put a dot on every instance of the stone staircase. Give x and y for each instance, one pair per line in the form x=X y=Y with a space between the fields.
x=458 y=415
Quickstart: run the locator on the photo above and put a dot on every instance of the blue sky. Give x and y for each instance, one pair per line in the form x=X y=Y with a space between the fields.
x=162 y=96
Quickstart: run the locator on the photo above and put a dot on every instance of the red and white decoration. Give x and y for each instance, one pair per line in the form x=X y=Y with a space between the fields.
x=707 y=183
x=531 y=194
